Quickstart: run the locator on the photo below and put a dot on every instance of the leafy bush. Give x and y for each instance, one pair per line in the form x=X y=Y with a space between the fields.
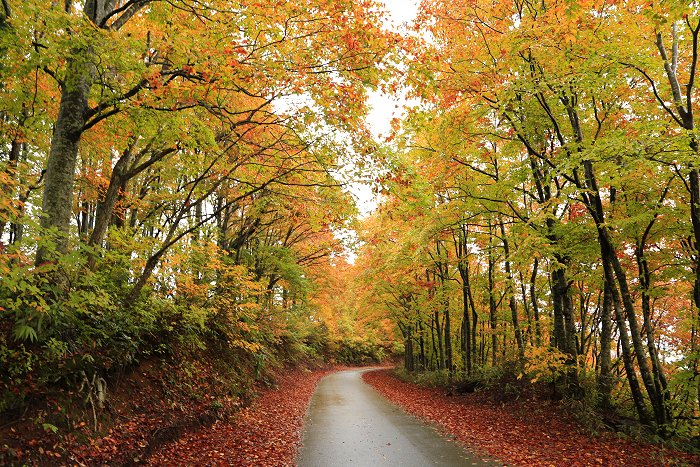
x=544 y=364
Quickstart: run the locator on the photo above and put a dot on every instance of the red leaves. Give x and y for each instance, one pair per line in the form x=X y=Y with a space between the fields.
x=519 y=433
x=267 y=434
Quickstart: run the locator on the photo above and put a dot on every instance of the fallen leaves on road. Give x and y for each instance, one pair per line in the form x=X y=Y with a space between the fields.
x=268 y=433
x=519 y=433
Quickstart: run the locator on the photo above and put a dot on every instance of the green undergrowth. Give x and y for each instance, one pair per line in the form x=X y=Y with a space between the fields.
x=91 y=366
x=134 y=408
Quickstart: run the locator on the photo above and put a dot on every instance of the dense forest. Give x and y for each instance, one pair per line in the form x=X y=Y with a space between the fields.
x=174 y=188
x=541 y=215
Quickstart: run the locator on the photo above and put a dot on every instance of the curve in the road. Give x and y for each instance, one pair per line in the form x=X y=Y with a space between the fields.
x=349 y=423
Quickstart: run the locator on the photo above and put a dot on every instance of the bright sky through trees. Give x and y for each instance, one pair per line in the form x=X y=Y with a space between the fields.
x=384 y=107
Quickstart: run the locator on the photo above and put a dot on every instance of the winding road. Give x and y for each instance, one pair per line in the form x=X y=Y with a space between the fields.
x=349 y=423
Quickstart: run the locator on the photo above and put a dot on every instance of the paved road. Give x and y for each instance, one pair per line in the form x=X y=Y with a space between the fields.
x=349 y=423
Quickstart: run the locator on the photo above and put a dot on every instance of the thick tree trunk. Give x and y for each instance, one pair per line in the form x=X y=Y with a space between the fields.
x=57 y=202
x=694 y=184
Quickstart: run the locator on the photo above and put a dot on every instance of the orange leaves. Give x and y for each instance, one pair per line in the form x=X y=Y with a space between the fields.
x=577 y=210
x=524 y=432
x=265 y=434
x=154 y=78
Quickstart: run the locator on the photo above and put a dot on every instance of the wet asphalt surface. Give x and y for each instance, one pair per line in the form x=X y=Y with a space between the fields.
x=351 y=424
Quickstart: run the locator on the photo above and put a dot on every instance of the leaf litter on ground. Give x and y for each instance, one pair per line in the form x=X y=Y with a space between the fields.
x=520 y=432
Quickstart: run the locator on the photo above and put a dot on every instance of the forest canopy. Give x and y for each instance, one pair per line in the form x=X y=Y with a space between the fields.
x=168 y=180
x=169 y=185
x=540 y=214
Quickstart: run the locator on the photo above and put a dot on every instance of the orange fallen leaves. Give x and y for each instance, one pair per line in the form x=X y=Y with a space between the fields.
x=266 y=434
x=520 y=433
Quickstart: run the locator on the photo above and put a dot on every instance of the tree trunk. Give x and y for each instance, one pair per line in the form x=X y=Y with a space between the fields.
x=448 y=338
x=492 y=308
x=624 y=342
x=408 y=354
x=511 y=292
x=441 y=347
x=5 y=188
x=466 y=324
x=605 y=376
x=618 y=276
x=57 y=202
x=660 y=382
x=526 y=308
x=535 y=306
x=694 y=184
x=105 y=206
x=421 y=344
x=443 y=274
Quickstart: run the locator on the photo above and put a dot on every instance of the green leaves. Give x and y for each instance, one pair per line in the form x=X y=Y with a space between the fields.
x=24 y=332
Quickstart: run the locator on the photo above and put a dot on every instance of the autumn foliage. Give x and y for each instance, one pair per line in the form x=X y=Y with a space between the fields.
x=527 y=433
x=168 y=190
x=538 y=216
x=173 y=183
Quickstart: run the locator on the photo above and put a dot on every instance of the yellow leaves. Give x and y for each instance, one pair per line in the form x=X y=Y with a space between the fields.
x=252 y=347
x=543 y=364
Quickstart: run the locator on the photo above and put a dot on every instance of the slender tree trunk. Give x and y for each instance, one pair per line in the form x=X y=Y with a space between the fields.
x=475 y=315
x=421 y=344
x=448 y=338
x=609 y=256
x=435 y=356
x=526 y=307
x=535 y=306
x=105 y=206
x=660 y=382
x=408 y=354
x=482 y=344
x=466 y=324
x=605 y=376
x=11 y=171
x=492 y=308
x=624 y=342
x=443 y=274
x=511 y=292
x=441 y=347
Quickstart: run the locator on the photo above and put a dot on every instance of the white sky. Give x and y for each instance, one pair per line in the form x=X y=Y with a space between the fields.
x=384 y=107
